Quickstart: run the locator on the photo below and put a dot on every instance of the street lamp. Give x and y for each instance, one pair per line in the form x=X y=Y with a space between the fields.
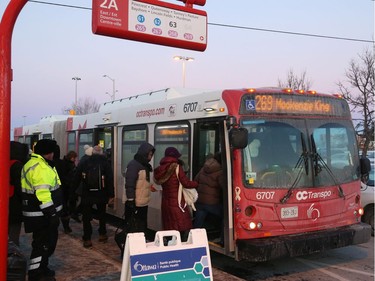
x=184 y=60
x=76 y=79
x=113 y=96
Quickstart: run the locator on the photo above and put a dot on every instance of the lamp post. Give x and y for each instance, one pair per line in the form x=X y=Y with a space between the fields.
x=184 y=60
x=113 y=96
x=76 y=79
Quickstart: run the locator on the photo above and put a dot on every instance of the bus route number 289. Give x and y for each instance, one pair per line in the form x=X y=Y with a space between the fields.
x=190 y=107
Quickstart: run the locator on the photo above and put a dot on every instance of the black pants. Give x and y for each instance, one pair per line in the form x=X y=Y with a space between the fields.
x=87 y=216
x=136 y=219
x=43 y=246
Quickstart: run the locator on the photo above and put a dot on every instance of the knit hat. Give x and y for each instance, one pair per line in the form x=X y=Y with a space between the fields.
x=45 y=146
x=88 y=150
x=172 y=152
x=97 y=150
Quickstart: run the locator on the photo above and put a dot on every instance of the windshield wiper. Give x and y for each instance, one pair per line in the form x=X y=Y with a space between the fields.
x=303 y=159
x=317 y=168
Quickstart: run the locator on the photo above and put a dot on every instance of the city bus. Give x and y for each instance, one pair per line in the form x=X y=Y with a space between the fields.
x=290 y=160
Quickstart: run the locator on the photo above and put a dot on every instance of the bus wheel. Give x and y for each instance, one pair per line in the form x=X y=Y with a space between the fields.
x=369 y=218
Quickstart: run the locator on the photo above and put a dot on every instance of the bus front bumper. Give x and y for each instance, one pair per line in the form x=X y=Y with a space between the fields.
x=270 y=248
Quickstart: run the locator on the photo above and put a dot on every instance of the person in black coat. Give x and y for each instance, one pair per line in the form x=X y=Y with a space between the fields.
x=95 y=192
x=19 y=155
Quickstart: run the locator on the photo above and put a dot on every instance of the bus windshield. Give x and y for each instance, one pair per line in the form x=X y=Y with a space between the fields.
x=285 y=153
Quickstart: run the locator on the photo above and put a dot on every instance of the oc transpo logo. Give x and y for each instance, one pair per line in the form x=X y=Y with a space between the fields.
x=304 y=195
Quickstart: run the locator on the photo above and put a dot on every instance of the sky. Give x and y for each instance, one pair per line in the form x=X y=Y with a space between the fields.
x=51 y=44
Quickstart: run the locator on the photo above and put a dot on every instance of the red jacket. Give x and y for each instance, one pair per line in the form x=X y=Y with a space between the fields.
x=173 y=217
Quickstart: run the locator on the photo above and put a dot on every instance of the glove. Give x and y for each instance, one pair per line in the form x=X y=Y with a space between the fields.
x=53 y=218
x=130 y=204
x=54 y=221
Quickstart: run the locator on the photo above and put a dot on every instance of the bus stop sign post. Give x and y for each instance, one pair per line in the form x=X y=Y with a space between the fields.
x=152 y=21
x=7 y=23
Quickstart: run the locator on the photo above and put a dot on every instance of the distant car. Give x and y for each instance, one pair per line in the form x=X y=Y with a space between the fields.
x=367 y=199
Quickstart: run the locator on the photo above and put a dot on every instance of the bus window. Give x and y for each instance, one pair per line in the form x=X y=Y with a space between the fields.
x=132 y=138
x=85 y=137
x=71 y=141
x=176 y=135
x=207 y=142
x=336 y=161
x=274 y=149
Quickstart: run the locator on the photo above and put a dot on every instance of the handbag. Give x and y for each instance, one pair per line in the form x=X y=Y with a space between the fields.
x=190 y=194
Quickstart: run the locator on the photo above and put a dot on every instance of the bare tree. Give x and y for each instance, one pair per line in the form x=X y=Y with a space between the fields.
x=358 y=90
x=83 y=106
x=295 y=82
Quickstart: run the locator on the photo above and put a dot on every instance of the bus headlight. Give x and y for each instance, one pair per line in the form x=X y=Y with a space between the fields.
x=361 y=211
x=254 y=225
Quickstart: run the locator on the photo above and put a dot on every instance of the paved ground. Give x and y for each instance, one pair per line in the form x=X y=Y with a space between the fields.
x=103 y=262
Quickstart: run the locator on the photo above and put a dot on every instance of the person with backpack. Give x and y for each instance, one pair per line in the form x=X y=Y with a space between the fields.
x=96 y=176
x=19 y=155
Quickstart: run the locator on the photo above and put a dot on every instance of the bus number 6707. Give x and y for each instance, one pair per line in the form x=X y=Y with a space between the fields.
x=190 y=107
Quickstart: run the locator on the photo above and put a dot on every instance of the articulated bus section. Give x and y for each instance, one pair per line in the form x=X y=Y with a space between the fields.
x=290 y=158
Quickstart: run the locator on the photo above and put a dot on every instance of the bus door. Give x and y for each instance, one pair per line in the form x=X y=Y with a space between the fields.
x=104 y=136
x=209 y=138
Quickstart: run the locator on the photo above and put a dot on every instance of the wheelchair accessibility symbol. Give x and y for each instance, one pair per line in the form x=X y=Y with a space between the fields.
x=250 y=105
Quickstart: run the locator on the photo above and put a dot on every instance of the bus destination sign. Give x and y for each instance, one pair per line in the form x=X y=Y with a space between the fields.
x=287 y=104
x=151 y=21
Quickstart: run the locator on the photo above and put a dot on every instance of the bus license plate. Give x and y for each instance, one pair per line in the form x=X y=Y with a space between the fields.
x=290 y=212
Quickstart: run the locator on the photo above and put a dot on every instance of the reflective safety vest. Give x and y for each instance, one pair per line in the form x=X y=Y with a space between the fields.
x=40 y=190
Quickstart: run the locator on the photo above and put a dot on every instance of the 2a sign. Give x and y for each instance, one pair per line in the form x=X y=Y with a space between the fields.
x=151 y=21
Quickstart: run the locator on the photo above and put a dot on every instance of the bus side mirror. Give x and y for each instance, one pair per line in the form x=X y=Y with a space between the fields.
x=365 y=165
x=238 y=138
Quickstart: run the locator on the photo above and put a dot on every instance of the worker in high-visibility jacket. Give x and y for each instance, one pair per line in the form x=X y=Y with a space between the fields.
x=41 y=206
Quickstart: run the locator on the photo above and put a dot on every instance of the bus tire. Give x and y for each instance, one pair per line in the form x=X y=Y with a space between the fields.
x=369 y=218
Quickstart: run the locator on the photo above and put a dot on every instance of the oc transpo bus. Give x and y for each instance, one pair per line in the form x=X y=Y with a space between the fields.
x=290 y=158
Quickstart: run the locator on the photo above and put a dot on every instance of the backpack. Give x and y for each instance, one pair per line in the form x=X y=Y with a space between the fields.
x=11 y=186
x=92 y=176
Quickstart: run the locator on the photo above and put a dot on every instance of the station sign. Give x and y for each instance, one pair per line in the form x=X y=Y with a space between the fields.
x=151 y=21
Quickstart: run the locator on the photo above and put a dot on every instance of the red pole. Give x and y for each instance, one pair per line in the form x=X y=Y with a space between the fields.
x=6 y=29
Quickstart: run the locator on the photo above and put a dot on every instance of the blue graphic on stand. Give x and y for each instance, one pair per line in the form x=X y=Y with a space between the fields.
x=171 y=265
